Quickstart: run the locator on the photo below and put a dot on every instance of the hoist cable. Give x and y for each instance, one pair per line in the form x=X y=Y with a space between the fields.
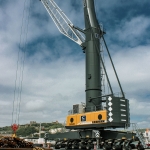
x=21 y=59
x=25 y=48
x=17 y=66
x=21 y=64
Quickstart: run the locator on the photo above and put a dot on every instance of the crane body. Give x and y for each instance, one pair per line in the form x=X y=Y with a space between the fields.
x=90 y=120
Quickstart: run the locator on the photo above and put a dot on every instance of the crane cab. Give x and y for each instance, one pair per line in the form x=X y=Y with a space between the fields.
x=114 y=115
x=96 y=117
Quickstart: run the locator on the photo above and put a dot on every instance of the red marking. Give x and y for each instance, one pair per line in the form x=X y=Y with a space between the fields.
x=14 y=127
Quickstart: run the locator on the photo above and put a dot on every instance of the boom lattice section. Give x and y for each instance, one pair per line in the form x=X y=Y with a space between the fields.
x=64 y=25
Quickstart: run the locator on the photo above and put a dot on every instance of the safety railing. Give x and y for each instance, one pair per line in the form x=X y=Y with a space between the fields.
x=139 y=134
x=84 y=109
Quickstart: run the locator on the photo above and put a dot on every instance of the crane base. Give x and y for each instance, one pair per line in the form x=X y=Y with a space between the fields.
x=89 y=139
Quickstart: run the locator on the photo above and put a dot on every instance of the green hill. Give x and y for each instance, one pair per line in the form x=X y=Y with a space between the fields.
x=31 y=129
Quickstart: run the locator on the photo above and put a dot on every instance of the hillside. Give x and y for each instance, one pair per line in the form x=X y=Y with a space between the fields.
x=32 y=129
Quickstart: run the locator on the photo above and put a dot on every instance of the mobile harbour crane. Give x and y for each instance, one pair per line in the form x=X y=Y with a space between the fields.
x=91 y=120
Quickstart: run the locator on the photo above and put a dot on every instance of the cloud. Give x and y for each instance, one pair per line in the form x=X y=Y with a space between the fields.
x=132 y=31
x=139 y=107
x=35 y=105
x=131 y=64
x=54 y=70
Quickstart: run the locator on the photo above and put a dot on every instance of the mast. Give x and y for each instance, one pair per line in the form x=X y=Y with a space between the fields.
x=92 y=58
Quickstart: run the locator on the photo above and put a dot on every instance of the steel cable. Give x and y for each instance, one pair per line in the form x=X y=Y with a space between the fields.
x=20 y=61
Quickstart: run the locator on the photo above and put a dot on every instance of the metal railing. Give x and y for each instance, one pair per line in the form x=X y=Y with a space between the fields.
x=138 y=134
x=84 y=109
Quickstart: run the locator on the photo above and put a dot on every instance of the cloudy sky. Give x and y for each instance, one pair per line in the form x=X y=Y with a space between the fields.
x=50 y=68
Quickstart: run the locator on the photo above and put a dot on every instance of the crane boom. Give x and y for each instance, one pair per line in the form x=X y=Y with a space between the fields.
x=64 y=25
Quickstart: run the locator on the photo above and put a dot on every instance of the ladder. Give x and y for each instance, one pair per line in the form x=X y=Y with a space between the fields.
x=139 y=134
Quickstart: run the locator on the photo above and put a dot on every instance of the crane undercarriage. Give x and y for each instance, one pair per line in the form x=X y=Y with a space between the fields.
x=95 y=139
